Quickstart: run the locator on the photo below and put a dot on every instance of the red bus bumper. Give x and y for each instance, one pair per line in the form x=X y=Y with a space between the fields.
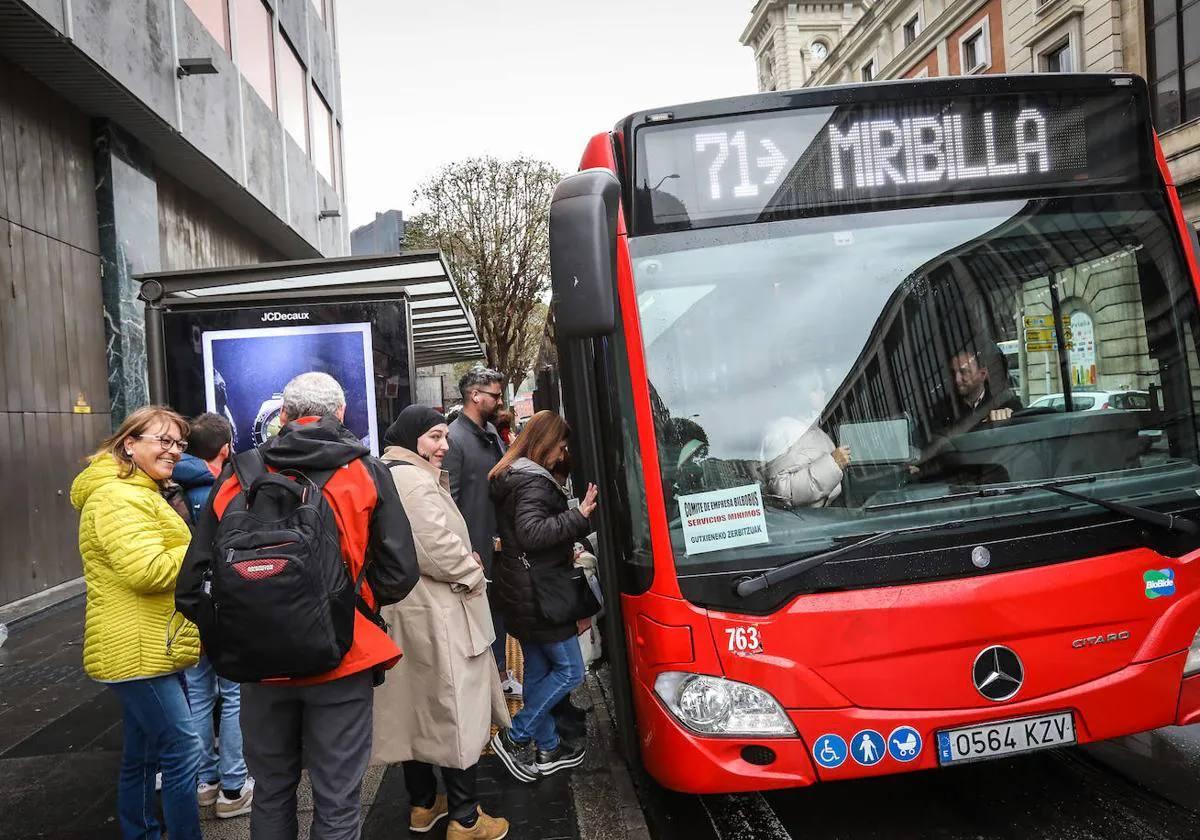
x=1137 y=698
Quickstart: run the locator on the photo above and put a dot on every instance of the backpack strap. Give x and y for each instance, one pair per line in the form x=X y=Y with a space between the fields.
x=248 y=466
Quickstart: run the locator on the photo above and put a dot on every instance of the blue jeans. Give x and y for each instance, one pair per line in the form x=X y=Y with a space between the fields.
x=203 y=686
x=158 y=735
x=551 y=672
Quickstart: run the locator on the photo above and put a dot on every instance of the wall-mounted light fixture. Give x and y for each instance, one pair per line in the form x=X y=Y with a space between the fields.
x=195 y=67
x=329 y=214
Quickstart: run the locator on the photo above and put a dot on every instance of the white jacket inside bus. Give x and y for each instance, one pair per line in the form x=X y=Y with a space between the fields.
x=801 y=464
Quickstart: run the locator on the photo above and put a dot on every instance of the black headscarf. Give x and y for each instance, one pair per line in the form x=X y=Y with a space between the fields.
x=413 y=422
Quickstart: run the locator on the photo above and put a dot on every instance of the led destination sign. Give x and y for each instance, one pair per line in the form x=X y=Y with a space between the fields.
x=746 y=167
x=929 y=150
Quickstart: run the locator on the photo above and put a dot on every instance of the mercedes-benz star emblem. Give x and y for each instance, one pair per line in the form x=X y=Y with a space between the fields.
x=998 y=673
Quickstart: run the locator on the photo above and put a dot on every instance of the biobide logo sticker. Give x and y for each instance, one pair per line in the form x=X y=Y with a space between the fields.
x=1159 y=582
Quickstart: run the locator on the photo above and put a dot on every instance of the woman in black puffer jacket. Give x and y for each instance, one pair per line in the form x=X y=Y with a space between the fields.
x=538 y=531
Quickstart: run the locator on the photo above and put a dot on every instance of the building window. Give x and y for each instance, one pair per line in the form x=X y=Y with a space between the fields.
x=868 y=71
x=766 y=74
x=324 y=10
x=214 y=15
x=254 y=55
x=975 y=49
x=293 y=99
x=912 y=28
x=1060 y=58
x=1174 y=60
x=322 y=135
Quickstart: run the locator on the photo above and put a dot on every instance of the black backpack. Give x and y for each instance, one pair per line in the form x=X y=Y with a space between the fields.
x=282 y=599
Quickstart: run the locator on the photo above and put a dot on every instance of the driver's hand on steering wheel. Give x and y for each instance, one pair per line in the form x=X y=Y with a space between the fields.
x=1000 y=414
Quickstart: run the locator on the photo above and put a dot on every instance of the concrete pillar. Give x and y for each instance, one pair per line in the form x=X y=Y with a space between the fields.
x=127 y=211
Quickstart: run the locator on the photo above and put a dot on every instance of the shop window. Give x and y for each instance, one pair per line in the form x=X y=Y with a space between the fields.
x=322 y=135
x=1173 y=50
x=254 y=55
x=293 y=100
x=214 y=15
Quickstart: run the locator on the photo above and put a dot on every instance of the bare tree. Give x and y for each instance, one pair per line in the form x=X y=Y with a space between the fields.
x=490 y=218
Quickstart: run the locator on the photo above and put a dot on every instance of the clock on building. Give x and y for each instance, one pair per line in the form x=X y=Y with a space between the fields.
x=818 y=51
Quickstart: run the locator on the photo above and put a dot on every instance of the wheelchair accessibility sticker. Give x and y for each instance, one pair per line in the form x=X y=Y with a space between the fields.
x=830 y=751
x=867 y=747
x=904 y=744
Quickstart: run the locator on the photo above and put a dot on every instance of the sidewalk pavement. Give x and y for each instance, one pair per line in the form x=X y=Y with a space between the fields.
x=60 y=750
x=1166 y=761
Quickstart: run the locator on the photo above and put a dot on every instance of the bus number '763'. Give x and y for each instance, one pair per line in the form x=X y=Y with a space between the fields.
x=744 y=639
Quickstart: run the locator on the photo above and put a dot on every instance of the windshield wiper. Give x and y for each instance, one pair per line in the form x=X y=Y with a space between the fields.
x=1166 y=521
x=747 y=586
x=974 y=493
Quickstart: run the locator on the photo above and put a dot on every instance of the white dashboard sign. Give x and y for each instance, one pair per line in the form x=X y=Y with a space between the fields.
x=721 y=519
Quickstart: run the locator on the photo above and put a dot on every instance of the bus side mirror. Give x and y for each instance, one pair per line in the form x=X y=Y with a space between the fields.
x=583 y=253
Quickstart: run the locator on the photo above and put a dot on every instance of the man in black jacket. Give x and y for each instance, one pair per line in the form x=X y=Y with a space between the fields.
x=475 y=447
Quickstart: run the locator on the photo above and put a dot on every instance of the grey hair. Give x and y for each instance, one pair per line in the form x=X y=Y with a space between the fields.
x=477 y=378
x=312 y=395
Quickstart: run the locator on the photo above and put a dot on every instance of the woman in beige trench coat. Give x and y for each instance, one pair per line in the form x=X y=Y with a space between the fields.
x=437 y=706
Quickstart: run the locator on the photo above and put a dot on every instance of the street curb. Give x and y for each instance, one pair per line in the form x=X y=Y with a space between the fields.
x=606 y=801
x=38 y=602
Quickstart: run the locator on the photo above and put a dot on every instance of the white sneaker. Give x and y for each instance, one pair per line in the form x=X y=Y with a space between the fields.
x=206 y=794
x=510 y=686
x=227 y=808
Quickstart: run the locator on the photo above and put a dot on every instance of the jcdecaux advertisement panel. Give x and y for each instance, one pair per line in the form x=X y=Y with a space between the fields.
x=236 y=362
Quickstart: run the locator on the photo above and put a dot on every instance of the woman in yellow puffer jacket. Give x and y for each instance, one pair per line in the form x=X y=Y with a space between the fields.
x=132 y=542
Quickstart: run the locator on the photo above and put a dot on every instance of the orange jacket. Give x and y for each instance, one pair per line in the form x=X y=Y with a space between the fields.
x=371 y=523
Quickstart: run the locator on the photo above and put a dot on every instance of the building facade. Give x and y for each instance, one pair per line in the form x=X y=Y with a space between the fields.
x=385 y=235
x=138 y=136
x=807 y=44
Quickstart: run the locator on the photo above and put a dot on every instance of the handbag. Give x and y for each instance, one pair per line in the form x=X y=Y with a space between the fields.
x=562 y=596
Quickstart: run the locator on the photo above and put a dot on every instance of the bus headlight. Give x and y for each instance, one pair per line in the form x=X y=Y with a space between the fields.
x=1192 y=665
x=716 y=706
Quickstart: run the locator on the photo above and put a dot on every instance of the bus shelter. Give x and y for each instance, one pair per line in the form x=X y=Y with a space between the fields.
x=228 y=339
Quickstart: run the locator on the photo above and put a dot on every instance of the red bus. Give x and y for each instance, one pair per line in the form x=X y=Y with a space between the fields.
x=800 y=337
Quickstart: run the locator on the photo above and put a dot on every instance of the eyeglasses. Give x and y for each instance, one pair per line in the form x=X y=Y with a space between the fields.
x=167 y=442
x=498 y=395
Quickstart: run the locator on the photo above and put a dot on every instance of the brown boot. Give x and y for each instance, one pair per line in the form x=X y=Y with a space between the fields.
x=485 y=828
x=421 y=820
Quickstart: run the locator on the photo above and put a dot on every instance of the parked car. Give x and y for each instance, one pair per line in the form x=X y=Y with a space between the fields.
x=1096 y=401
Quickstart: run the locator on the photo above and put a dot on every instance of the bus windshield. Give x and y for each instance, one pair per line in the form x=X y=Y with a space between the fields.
x=817 y=380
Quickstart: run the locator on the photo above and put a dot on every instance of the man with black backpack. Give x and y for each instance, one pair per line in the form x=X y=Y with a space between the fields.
x=302 y=542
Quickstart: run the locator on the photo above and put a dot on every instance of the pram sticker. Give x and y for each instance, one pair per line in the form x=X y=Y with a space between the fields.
x=1160 y=583
x=904 y=744
x=867 y=747
x=830 y=751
